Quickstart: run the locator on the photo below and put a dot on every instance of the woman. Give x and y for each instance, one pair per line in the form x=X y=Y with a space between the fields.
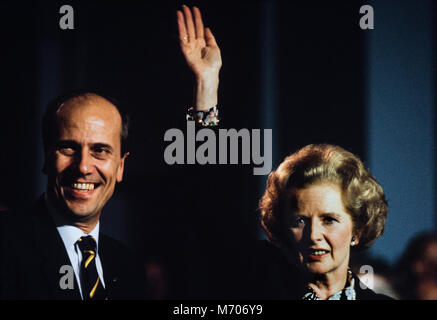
x=320 y=204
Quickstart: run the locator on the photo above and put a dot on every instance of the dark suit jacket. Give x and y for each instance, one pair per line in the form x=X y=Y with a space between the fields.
x=32 y=253
x=276 y=278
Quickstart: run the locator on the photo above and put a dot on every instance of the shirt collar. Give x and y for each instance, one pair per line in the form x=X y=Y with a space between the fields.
x=69 y=233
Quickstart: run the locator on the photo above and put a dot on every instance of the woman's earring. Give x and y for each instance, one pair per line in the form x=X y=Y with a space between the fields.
x=353 y=241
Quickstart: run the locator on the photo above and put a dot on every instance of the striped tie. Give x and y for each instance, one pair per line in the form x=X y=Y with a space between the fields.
x=92 y=288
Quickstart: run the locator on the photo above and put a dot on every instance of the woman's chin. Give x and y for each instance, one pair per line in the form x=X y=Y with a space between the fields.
x=316 y=268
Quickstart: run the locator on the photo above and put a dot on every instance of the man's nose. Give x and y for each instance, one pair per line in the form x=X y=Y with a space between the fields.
x=84 y=162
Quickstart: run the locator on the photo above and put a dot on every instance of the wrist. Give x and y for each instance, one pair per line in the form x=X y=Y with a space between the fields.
x=206 y=92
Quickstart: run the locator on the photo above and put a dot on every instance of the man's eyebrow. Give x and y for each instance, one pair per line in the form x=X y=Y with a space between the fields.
x=102 y=145
x=66 y=142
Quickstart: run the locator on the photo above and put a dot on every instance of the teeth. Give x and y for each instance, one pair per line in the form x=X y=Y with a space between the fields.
x=319 y=252
x=83 y=186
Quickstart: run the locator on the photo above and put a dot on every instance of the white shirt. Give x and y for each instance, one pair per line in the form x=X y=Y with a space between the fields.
x=70 y=234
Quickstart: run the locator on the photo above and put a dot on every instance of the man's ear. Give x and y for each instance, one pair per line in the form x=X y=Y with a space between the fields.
x=120 y=169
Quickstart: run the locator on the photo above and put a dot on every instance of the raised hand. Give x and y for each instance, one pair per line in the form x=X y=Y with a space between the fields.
x=198 y=43
x=202 y=55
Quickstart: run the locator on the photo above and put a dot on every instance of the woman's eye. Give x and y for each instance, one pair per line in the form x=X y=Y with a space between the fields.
x=329 y=220
x=298 y=221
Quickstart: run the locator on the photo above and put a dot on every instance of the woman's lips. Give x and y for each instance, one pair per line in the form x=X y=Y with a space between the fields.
x=317 y=254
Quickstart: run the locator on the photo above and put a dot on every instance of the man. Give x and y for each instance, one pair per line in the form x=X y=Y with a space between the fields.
x=57 y=240
x=84 y=136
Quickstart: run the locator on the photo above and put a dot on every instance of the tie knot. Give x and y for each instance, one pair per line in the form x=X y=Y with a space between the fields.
x=87 y=243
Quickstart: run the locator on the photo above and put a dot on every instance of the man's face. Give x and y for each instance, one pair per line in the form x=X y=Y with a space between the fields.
x=85 y=162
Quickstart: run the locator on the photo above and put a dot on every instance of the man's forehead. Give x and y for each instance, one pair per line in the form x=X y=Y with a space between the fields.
x=88 y=106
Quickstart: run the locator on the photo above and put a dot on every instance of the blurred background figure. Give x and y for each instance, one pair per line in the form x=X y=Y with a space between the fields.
x=417 y=269
x=157 y=280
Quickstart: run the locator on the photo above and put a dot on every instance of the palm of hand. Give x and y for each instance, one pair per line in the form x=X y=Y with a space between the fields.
x=200 y=57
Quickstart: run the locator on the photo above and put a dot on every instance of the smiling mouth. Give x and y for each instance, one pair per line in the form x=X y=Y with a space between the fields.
x=317 y=252
x=83 y=186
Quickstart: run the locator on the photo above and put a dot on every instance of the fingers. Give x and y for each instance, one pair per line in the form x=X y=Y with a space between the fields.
x=209 y=38
x=189 y=23
x=198 y=22
x=189 y=28
x=183 y=36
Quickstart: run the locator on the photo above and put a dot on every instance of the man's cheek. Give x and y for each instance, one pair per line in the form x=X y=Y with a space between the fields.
x=109 y=171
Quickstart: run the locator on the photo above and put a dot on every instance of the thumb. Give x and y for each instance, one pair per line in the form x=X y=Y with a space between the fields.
x=209 y=37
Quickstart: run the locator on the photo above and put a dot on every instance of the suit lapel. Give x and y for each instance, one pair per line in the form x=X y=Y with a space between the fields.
x=110 y=265
x=53 y=253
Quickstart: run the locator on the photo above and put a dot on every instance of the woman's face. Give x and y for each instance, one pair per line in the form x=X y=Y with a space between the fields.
x=322 y=229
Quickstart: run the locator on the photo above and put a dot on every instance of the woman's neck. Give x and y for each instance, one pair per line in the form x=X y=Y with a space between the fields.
x=328 y=284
